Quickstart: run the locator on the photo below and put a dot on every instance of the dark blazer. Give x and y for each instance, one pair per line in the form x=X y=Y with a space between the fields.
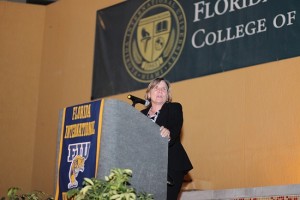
x=170 y=116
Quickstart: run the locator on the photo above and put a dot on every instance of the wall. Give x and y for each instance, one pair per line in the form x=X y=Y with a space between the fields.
x=240 y=130
x=245 y=126
x=66 y=74
x=21 y=40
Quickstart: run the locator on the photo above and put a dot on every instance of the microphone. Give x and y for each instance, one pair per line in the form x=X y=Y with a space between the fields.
x=136 y=100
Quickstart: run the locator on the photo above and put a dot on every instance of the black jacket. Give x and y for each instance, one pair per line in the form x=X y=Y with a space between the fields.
x=170 y=116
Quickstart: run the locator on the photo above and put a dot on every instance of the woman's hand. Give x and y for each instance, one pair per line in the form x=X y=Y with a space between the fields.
x=164 y=132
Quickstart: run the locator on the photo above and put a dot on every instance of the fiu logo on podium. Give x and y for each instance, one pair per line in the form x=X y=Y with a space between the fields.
x=154 y=39
x=77 y=155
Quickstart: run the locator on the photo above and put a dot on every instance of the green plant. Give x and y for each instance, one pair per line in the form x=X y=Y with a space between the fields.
x=116 y=186
x=13 y=194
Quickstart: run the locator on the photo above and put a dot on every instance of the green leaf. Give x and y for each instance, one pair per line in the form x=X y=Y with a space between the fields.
x=89 y=181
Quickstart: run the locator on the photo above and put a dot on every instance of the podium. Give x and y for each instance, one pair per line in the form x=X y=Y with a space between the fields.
x=101 y=135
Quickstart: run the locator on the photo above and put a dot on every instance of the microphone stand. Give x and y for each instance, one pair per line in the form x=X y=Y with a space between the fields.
x=133 y=103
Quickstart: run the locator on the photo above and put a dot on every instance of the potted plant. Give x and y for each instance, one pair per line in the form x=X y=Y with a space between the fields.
x=116 y=186
x=13 y=193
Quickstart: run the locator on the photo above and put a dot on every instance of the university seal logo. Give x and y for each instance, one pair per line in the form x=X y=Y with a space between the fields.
x=154 y=39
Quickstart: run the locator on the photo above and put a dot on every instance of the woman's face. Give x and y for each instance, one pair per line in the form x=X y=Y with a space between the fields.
x=159 y=94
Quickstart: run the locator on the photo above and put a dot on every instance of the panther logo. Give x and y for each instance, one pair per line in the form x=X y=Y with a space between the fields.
x=77 y=166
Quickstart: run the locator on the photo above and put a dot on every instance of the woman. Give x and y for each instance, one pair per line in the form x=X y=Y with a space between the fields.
x=170 y=119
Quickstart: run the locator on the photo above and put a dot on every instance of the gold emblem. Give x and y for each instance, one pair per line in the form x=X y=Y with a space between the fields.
x=152 y=35
x=154 y=39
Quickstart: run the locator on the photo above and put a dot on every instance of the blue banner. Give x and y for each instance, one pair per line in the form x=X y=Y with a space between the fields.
x=79 y=146
x=139 y=40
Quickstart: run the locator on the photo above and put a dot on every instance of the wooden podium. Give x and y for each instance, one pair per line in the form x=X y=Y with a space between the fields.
x=101 y=135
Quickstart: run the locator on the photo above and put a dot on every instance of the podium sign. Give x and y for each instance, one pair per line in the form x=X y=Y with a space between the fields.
x=79 y=146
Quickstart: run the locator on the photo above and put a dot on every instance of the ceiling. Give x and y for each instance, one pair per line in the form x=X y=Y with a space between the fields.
x=39 y=2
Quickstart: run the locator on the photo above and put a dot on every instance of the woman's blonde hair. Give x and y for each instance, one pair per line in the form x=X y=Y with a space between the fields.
x=154 y=83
